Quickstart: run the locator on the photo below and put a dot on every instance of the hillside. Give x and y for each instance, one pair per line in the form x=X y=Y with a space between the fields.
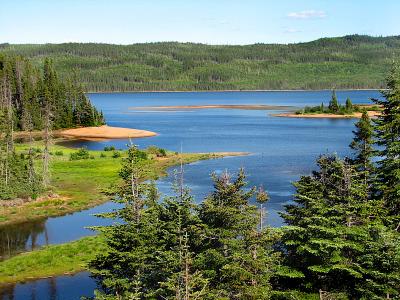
x=344 y=62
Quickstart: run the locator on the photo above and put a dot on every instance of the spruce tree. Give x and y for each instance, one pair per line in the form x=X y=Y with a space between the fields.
x=387 y=131
x=333 y=103
x=362 y=145
x=322 y=239
x=349 y=106
x=234 y=255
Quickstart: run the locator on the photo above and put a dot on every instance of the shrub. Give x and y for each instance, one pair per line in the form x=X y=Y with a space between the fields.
x=59 y=153
x=102 y=155
x=109 y=148
x=82 y=153
x=116 y=154
x=159 y=152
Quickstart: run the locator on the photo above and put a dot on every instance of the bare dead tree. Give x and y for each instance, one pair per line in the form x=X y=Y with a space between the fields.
x=27 y=120
x=47 y=139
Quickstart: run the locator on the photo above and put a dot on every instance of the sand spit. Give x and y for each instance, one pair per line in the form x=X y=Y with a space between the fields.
x=213 y=106
x=105 y=132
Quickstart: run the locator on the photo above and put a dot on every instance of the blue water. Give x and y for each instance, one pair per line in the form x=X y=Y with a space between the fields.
x=282 y=149
x=61 y=288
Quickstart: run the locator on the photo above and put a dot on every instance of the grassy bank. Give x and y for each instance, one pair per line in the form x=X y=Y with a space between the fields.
x=79 y=184
x=50 y=261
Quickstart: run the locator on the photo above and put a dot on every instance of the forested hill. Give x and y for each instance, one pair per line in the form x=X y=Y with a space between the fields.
x=345 y=62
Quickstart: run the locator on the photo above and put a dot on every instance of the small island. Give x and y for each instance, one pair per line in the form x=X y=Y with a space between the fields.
x=334 y=110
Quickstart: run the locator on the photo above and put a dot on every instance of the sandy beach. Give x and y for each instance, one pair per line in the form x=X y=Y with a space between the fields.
x=371 y=114
x=213 y=106
x=105 y=132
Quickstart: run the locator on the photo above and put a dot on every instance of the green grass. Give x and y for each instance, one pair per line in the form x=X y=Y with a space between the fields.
x=80 y=184
x=51 y=260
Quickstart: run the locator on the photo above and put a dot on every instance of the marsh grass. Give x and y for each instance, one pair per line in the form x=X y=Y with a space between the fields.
x=80 y=184
x=51 y=260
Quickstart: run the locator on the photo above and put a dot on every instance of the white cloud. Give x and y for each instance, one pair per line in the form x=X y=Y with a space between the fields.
x=292 y=30
x=307 y=14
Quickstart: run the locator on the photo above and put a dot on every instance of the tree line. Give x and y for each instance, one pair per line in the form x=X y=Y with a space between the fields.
x=350 y=62
x=341 y=238
x=33 y=99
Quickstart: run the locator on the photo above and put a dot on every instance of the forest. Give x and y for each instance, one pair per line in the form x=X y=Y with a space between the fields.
x=33 y=99
x=341 y=238
x=349 y=62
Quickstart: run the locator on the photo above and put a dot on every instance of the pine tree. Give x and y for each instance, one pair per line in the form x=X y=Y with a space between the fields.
x=235 y=256
x=362 y=145
x=333 y=104
x=349 y=106
x=323 y=237
x=123 y=269
x=387 y=131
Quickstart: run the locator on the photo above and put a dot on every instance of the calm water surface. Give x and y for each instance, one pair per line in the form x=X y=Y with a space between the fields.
x=282 y=149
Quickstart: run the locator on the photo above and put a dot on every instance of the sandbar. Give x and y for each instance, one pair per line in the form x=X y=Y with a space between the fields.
x=105 y=132
x=212 y=106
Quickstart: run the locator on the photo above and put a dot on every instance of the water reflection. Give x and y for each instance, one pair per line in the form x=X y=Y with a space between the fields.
x=28 y=236
x=22 y=237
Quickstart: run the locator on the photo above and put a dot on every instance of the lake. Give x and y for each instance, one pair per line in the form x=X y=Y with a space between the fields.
x=281 y=150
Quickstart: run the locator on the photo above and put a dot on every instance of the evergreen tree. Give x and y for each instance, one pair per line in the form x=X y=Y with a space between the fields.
x=349 y=106
x=150 y=255
x=387 y=128
x=336 y=240
x=333 y=104
x=362 y=145
x=235 y=257
x=322 y=239
x=122 y=269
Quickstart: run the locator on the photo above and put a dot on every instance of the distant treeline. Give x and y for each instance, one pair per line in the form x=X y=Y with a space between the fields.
x=346 y=62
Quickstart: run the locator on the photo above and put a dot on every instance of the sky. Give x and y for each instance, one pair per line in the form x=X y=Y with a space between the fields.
x=200 y=21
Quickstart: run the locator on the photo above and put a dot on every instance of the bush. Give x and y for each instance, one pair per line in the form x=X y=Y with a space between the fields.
x=82 y=153
x=59 y=153
x=116 y=154
x=159 y=152
x=102 y=155
x=109 y=148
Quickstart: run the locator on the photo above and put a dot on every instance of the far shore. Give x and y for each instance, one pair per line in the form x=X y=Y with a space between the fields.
x=92 y=133
x=371 y=114
x=213 y=106
x=216 y=91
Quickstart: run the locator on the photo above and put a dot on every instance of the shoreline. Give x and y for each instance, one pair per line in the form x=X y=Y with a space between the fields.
x=227 y=91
